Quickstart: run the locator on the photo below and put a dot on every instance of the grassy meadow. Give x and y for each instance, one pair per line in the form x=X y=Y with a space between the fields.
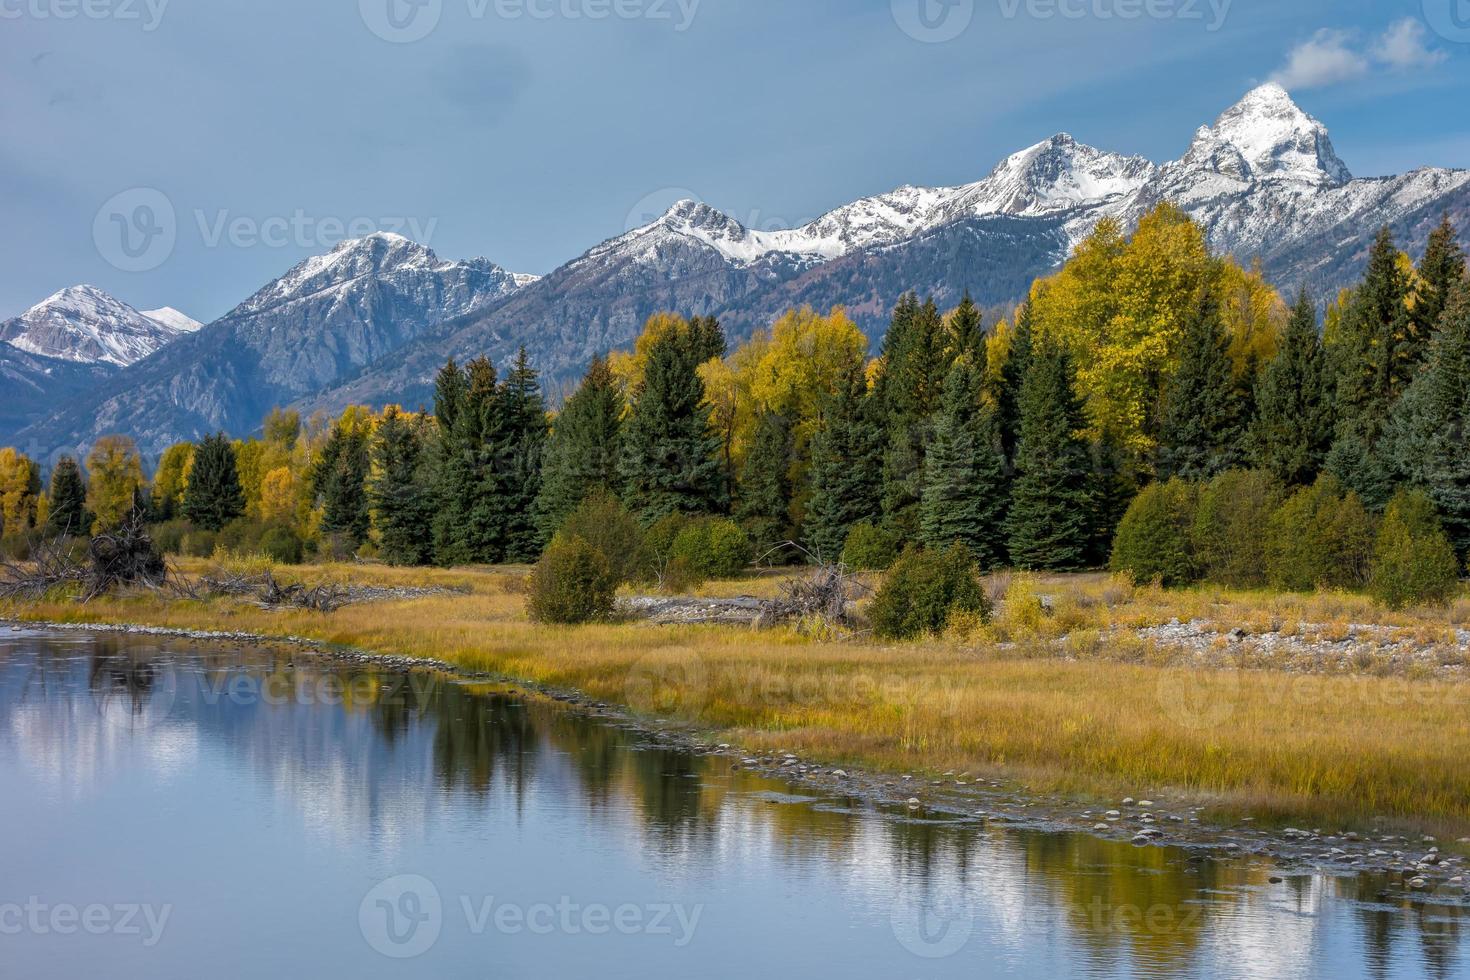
x=1063 y=696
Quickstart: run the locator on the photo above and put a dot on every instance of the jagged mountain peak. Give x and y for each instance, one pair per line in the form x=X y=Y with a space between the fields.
x=86 y=325
x=1267 y=136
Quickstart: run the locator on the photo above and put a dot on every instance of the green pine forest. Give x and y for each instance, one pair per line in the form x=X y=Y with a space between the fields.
x=1150 y=407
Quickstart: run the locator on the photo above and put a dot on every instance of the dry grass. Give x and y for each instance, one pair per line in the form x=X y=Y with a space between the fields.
x=1091 y=715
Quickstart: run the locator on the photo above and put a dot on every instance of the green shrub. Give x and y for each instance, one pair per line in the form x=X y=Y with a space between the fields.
x=572 y=583
x=16 y=547
x=1229 y=519
x=1413 y=561
x=1153 y=539
x=241 y=536
x=603 y=522
x=657 y=549
x=1321 y=537
x=869 y=548
x=197 y=543
x=281 y=544
x=924 y=589
x=169 y=536
x=713 y=548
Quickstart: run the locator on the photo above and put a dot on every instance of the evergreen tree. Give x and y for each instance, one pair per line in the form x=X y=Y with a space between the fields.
x=965 y=486
x=1200 y=431
x=213 y=497
x=1012 y=376
x=519 y=456
x=399 y=490
x=339 y=482
x=706 y=339
x=1441 y=269
x=1048 y=525
x=765 y=484
x=582 y=451
x=670 y=457
x=1429 y=433
x=1293 y=427
x=967 y=330
x=67 y=499
x=482 y=430
x=846 y=472
x=1375 y=362
x=914 y=370
x=453 y=466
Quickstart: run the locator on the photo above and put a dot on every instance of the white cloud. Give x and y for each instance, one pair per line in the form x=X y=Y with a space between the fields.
x=1402 y=47
x=1331 y=57
x=1325 y=59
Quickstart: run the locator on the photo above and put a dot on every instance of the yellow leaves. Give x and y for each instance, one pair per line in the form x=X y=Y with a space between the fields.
x=279 y=496
x=1254 y=314
x=114 y=474
x=628 y=366
x=20 y=487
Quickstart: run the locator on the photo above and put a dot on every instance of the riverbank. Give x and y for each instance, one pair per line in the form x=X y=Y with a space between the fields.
x=1065 y=699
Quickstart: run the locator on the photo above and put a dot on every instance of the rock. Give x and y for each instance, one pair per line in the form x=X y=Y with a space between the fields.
x=1102 y=826
x=1276 y=880
x=1145 y=803
x=840 y=773
x=1128 y=801
x=913 y=802
x=1112 y=814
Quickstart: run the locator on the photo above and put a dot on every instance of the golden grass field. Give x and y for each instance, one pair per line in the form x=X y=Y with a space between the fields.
x=1070 y=701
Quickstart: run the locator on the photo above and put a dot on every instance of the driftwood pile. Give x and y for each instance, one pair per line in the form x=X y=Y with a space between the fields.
x=124 y=556
x=827 y=594
x=265 y=590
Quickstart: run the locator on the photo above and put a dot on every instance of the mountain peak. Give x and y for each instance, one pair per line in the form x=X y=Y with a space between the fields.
x=88 y=326
x=1267 y=136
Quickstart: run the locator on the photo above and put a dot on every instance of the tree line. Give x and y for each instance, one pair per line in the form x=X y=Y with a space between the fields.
x=1145 y=359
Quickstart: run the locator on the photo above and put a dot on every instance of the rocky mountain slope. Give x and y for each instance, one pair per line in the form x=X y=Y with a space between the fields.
x=84 y=325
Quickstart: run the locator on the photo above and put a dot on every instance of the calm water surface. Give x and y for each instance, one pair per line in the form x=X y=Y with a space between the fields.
x=172 y=809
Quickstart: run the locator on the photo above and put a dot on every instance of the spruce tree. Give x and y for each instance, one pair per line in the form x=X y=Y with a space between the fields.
x=914 y=370
x=1375 y=361
x=213 y=497
x=483 y=429
x=764 y=508
x=339 y=482
x=399 y=490
x=1012 y=376
x=519 y=456
x=1048 y=525
x=453 y=467
x=1293 y=427
x=967 y=331
x=965 y=486
x=846 y=472
x=583 y=449
x=1200 y=432
x=670 y=457
x=1441 y=269
x=1429 y=433
x=67 y=500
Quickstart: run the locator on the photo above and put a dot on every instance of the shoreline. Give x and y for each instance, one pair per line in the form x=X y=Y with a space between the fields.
x=1418 y=866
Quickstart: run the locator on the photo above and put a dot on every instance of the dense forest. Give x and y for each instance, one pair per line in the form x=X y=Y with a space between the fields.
x=1150 y=405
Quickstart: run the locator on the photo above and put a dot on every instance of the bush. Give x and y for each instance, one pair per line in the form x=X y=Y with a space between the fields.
x=170 y=535
x=1413 y=561
x=603 y=522
x=657 y=550
x=572 y=583
x=713 y=548
x=281 y=544
x=923 y=589
x=16 y=547
x=1320 y=538
x=1153 y=539
x=197 y=543
x=869 y=548
x=240 y=535
x=1229 y=547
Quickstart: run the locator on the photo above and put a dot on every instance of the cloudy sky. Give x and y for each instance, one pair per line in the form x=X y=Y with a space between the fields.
x=256 y=132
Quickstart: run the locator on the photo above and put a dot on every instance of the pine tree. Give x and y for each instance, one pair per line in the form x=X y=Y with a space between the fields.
x=1441 y=269
x=1200 y=432
x=399 y=490
x=1012 y=376
x=519 y=456
x=213 y=497
x=583 y=449
x=1375 y=362
x=453 y=467
x=1048 y=525
x=67 y=499
x=339 y=482
x=1293 y=427
x=965 y=486
x=846 y=472
x=765 y=484
x=670 y=457
x=967 y=330
x=482 y=429
x=1429 y=433
x=914 y=369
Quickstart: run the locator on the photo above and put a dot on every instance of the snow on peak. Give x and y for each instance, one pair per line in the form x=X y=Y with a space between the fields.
x=1266 y=136
x=88 y=326
x=173 y=319
x=1056 y=174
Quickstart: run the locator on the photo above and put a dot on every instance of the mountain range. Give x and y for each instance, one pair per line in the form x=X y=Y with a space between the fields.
x=373 y=320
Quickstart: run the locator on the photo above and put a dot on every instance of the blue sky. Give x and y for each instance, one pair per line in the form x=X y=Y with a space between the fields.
x=528 y=130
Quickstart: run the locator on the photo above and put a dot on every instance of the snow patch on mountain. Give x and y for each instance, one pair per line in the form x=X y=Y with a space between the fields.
x=173 y=319
x=85 y=325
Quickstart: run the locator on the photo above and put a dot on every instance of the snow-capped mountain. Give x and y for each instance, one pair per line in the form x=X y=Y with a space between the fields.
x=371 y=321
x=87 y=326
